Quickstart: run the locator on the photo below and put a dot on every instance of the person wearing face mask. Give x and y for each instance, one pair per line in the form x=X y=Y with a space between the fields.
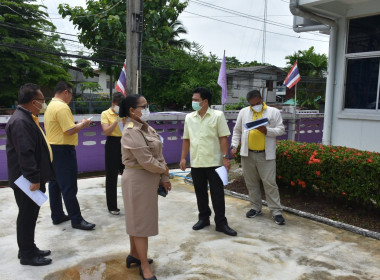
x=110 y=124
x=62 y=135
x=145 y=169
x=258 y=154
x=29 y=154
x=206 y=137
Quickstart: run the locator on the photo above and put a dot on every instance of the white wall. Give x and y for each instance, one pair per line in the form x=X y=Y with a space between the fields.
x=103 y=81
x=358 y=129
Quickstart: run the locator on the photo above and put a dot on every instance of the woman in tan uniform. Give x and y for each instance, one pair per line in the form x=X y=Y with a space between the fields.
x=145 y=170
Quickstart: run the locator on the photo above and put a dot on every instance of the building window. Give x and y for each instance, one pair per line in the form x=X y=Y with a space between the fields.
x=108 y=84
x=229 y=82
x=362 y=88
x=364 y=35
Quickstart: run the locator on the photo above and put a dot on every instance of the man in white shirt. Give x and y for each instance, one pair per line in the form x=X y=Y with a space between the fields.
x=258 y=154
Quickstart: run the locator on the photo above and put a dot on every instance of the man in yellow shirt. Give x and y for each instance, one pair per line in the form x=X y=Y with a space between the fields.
x=258 y=154
x=110 y=124
x=62 y=135
x=206 y=137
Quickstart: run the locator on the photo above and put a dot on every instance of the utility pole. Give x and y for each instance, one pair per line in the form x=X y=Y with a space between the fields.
x=264 y=32
x=133 y=48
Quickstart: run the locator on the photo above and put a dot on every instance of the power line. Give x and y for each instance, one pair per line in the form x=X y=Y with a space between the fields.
x=292 y=36
x=27 y=48
x=38 y=31
x=230 y=11
x=90 y=15
x=14 y=11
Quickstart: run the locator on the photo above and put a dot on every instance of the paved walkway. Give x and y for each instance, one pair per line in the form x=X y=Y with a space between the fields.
x=302 y=249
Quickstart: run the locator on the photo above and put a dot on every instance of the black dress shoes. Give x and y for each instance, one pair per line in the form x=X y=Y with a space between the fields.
x=64 y=218
x=201 y=224
x=40 y=253
x=226 y=230
x=131 y=260
x=35 y=261
x=142 y=275
x=84 y=225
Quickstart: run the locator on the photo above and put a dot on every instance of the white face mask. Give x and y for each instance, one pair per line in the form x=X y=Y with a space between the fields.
x=145 y=114
x=116 y=109
x=43 y=108
x=257 y=108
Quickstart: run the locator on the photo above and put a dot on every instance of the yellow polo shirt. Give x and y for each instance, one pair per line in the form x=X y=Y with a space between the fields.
x=59 y=119
x=204 y=134
x=256 y=139
x=35 y=119
x=109 y=117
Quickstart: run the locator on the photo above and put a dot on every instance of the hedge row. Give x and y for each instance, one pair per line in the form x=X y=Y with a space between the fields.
x=332 y=170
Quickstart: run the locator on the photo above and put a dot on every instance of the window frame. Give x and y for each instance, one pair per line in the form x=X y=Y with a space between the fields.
x=360 y=55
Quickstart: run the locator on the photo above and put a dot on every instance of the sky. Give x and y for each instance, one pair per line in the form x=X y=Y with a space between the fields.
x=238 y=31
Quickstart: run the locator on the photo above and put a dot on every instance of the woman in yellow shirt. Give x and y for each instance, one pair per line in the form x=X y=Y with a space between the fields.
x=110 y=124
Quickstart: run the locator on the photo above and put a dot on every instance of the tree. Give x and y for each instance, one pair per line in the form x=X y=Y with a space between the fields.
x=177 y=31
x=232 y=62
x=21 y=25
x=91 y=86
x=102 y=26
x=313 y=68
x=85 y=66
x=171 y=76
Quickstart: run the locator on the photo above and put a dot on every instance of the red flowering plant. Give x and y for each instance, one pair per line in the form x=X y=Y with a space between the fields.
x=334 y=171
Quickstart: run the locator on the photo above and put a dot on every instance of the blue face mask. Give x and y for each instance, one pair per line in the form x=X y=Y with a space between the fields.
x=196 y=105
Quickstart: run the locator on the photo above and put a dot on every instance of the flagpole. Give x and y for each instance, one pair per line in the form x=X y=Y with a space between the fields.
x=221 y=96
x=295 y=111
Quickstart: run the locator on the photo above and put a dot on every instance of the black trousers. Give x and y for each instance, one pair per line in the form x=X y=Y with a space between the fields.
x=65 y=184
x=26 y=223
x=201 y=178
x=114 y=166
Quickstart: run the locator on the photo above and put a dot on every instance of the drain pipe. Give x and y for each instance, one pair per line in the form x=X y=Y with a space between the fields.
x=326 y=24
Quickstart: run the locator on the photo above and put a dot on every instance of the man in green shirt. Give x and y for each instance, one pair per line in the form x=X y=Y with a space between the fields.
x=206 y=137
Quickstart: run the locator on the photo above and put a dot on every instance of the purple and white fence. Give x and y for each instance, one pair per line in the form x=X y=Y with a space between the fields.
x=90 y=150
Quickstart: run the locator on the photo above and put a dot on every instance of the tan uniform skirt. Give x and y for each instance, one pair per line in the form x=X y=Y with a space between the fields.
x=139 y=188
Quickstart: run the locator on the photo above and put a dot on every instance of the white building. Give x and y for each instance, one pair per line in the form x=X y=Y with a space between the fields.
x=267 y=79
x=105 y=82
x=352 y=110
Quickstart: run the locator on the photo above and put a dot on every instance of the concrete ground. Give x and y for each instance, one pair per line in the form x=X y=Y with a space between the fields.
x=302 y=249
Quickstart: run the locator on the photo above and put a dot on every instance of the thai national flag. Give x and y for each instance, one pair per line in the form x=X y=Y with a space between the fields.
x=121 y=85
x=293 y=77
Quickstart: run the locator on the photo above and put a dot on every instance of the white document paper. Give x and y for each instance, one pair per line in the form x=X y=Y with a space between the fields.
x=223 y=174
x=121 y=126
x=37 y=196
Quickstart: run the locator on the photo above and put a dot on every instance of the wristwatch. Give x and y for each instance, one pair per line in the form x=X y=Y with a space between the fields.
x=226 y=156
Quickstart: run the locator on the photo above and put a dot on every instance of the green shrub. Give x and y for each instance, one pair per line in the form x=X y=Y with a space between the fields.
x=237 y=106
x=337 y=172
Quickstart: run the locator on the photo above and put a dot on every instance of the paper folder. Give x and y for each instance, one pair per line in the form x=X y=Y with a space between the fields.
x=254 y=124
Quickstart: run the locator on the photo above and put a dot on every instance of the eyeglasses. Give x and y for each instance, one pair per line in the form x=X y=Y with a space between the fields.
x=43 y=99
x=143 y=106
x=70 y=91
